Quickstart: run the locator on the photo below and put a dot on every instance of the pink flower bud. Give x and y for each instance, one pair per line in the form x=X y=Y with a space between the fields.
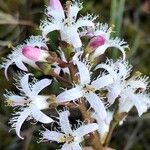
x=35 y=54
x=96 y=42
x=56 y=5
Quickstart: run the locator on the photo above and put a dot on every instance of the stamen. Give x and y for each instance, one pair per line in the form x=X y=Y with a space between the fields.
x=67 y=139
x=89 y=88
x=68 y=20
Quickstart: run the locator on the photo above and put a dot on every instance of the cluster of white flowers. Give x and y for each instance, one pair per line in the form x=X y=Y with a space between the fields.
x=95 y=83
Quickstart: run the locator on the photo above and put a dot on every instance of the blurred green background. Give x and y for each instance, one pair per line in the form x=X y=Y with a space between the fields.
x=20 y=18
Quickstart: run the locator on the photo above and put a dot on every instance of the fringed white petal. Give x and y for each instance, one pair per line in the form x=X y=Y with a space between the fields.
x=138 y=103
x=119 y=44
x=85 y=129
x=39 y=115
x=103 y=124
x=21 y=65
x=137 y=84
x=108 y=68
x=71 y=36
x=124 y=68
x=114 y=91
x=24 y=82
x=19 y=119
x=84 y=23
x=96 y=104
x=47 y=27
x=36 y=41
x=99 y=51
x=102 y=30
x=67 y=146
x=64 y=122
x=125 y=104
x=40 y=85
x=6 y=66
x=83 y=72
x=76 y=146
x=16 y=99
x=75 y=8
x=102 y=82
x=52 y=135
x=70 y=95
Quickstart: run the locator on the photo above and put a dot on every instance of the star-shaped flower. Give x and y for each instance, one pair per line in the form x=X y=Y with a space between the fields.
x=70 y=139
x=66 y=23
x=30 y=103
x=86 y=88
x=131 y=92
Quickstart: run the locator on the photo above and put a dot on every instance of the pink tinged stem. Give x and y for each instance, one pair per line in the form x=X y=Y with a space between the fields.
x=56 y=5
x=96 y=42
x=35 y=54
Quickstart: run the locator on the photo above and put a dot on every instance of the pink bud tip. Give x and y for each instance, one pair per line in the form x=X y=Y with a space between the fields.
x=96 y=42
x=32 y=53
x=56 y=5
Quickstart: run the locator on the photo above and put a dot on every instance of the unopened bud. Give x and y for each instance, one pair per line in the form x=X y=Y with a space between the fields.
x=96 y=42
x=35 y=54
x=56 y=5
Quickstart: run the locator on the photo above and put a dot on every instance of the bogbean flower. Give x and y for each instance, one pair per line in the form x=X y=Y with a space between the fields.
x=134 y=94
x=103 y=125
x=129 y=91
x=34 y=43
x=86 y=88
x=102 y=40
x=66 y=23
x=70 y=139
x=29 y=103
x=119 y=71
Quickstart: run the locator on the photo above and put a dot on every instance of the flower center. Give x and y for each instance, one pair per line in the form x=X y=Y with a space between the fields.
x=68 y=21
x=67 y=139
x=89 y=88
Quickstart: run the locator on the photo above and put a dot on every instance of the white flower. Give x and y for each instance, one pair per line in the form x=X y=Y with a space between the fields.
x=119 y=71
x=134 y=94
x=30 y=103
x=102 y=32
x=128 y=91
x=103 y=125
x=86 y=88
x=17 y=57
x=66 y=23
x=70 y=139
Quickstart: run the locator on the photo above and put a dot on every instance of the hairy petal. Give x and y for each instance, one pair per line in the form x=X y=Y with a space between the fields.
x=85 y=129
x=67 y=146
x=114 y=91
x=103 y=81
x=138 y=103
x=40 y=85
x=52 y=135
x=108 y=68
x=70 y=95
x=24 y=82
x=76 y=146
x=96 y=104
x=18 y=120
x=83 y=72
x=39 y=115
x=48 y=27
x=64 y=122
